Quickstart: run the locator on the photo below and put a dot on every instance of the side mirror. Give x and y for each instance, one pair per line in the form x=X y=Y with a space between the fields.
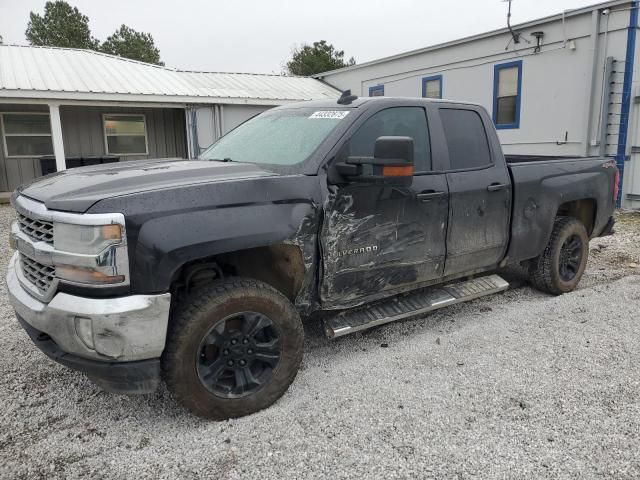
x=391 y=164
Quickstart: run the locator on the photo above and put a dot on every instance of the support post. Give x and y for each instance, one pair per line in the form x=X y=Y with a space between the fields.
x=56 y=136
x=595 y=37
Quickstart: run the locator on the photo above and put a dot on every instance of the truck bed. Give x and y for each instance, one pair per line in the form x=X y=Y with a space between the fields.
x=543 y=185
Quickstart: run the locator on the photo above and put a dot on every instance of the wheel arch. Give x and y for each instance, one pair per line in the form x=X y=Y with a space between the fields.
x=584 y=210
x=280 y=265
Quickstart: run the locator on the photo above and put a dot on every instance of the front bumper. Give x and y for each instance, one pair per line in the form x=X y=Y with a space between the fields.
x=117 y=377
x=122 y=330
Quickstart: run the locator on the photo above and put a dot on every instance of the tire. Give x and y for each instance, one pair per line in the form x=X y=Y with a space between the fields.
x=569 y=244
x=199 y=348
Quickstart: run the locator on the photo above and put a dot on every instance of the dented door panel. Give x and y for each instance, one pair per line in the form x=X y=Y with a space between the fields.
x=479 y=219
x=377 y=239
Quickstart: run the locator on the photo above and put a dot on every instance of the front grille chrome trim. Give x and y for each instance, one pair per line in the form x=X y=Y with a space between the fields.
x=36 y=230
x=41 y=276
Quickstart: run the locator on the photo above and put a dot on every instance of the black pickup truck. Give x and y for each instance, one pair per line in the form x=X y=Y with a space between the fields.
x=366 y=210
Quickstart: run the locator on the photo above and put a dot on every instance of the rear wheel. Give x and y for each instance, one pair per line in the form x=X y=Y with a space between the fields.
x=560 y=267
x=233 y=349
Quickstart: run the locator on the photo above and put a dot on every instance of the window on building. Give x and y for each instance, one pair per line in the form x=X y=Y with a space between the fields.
x=507 y=94
x=432 y=87
x=27 y=134
x=466 y=139
x=125 y=134
x=377 y=91
x=396 y=121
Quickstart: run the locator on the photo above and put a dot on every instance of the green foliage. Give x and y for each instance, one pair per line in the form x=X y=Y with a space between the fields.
x=61 y=26
x=64 y=26
x=128 y=43
x=317 y=58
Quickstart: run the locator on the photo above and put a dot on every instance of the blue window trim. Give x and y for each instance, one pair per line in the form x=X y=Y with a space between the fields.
x=496 y=72
x=431 y=79
x=377 y=88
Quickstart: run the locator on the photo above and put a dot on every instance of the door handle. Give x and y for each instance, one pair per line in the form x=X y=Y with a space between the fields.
x=429 y=195
x=495 y=187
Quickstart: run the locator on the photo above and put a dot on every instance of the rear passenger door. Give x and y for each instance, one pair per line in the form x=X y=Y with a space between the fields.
x=479 y=192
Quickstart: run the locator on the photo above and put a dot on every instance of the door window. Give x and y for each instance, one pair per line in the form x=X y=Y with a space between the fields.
x=396 y=121
x=466 y=139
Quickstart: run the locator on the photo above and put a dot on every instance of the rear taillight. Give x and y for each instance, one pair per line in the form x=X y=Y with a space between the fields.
x=616 y=186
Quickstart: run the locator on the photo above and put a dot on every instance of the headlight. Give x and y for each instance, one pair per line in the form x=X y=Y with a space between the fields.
x=90 y=254
x=86 y=239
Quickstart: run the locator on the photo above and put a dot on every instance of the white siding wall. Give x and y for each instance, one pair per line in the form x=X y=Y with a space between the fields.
x=207 y=119
x=556 y=83
x=234 y=115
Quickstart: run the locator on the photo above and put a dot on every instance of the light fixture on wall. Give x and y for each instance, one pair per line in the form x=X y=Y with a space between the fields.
x=538 y=36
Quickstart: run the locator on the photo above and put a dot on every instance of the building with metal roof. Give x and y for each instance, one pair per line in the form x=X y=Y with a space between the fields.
x=62 y=107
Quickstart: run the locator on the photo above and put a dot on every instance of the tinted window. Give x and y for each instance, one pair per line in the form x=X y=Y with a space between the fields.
x=397 y=121
x=466 y=138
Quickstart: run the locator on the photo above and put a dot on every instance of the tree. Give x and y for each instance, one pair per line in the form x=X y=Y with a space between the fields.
x=317 y=58
x=64 y=26
x=61 y=26
x=128 y=43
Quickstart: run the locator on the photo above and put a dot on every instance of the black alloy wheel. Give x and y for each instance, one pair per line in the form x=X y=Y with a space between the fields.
x=559 y=268
x=239 y=354
x=233 y=348
x=570 y=258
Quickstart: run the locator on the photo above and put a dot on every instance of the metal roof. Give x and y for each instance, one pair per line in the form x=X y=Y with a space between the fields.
x=72 y=74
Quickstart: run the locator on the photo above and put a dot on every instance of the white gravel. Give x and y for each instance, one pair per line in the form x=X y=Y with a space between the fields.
x=519 y=385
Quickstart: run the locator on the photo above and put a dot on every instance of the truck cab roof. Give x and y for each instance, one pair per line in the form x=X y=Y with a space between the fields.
x=362 y=101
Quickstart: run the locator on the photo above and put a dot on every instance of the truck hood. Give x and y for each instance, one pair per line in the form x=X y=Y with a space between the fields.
x=77 y=189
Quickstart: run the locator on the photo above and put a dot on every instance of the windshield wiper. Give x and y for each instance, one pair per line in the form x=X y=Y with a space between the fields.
x=225 y=159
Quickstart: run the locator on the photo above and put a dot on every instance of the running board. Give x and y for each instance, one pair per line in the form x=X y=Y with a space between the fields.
x=412 y=304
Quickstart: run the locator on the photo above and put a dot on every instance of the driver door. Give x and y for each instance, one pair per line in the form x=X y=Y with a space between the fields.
x=377 y=239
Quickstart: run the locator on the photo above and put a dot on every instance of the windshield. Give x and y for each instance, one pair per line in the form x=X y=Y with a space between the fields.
x=276 y=137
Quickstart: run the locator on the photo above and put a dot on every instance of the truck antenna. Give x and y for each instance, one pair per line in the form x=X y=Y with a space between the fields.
x=346 y=98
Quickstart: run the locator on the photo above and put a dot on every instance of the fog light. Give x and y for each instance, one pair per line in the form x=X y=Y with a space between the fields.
x=84 y=330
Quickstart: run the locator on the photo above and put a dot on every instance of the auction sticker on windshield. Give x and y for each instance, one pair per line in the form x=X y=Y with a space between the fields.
x=332 y=114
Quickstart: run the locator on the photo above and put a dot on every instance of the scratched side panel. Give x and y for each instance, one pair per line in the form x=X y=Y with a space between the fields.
x=479 y=219
x=377 y=239
x=306 y=239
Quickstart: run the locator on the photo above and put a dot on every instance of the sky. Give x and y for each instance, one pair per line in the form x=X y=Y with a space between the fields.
x=258 y=35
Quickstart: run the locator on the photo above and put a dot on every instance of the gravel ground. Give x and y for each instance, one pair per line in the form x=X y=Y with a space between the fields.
x=519 y=385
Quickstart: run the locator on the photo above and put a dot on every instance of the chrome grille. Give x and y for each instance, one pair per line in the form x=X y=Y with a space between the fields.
x=40 y=275
x=37 y=230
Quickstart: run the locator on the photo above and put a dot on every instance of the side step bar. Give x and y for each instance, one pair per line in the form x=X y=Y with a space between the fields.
x=412 y=304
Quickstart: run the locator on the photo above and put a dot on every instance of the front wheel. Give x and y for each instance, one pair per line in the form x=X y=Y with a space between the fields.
x=233 y=348
x=560 y=267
